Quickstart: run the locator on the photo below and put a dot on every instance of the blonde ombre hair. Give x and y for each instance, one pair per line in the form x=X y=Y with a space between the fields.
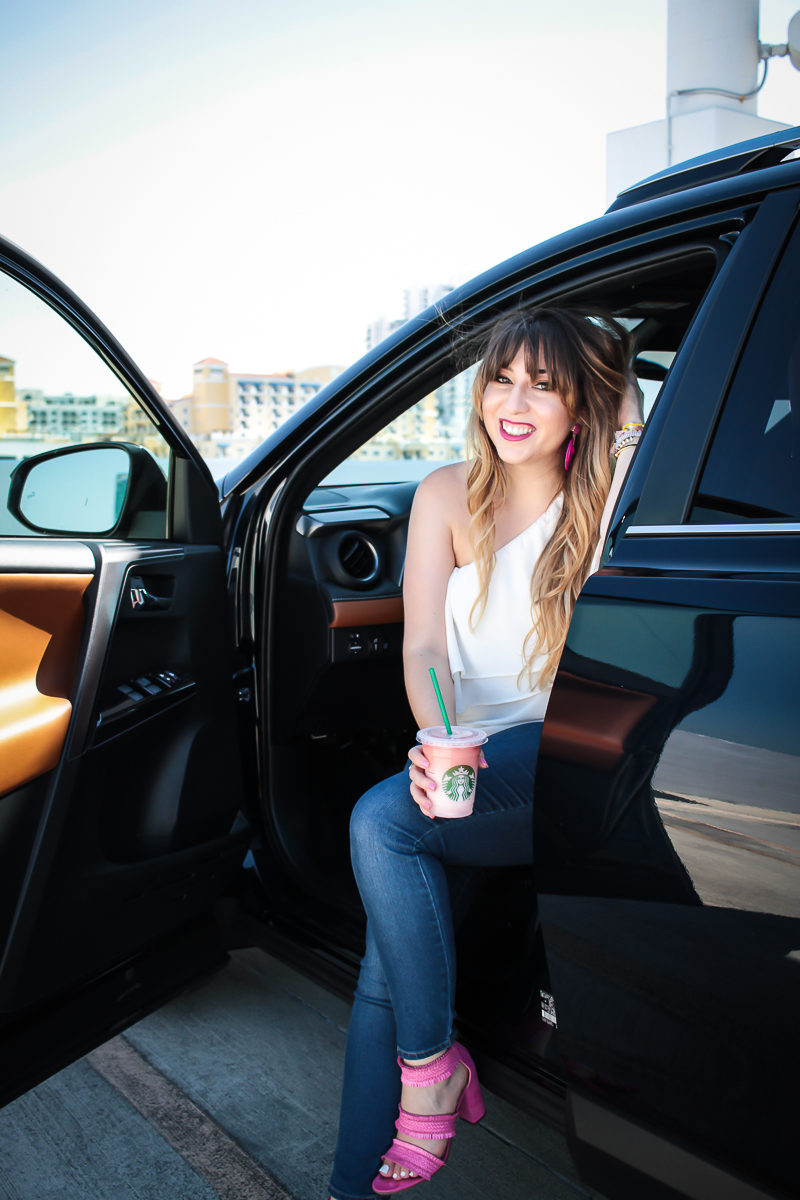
x=585 y=355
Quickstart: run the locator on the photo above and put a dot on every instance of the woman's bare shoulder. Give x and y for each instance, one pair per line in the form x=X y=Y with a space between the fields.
x=445 y=486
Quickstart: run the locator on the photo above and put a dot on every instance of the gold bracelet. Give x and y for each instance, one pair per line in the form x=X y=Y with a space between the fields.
x=627 y=436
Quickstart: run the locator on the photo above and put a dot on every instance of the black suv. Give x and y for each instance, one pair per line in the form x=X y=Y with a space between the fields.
x=195 y=688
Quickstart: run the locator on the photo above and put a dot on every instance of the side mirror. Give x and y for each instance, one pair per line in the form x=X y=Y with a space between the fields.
x=96 y=489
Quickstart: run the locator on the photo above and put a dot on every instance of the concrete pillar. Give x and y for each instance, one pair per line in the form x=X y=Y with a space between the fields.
x=712 y=44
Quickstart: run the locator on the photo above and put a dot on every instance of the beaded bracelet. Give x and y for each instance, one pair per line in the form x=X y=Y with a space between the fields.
x=627 y=436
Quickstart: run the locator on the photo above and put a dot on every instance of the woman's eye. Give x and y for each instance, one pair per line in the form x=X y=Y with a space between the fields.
x=501 y=378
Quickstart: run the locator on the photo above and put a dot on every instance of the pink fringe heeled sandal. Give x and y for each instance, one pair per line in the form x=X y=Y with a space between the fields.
x=437 y=1127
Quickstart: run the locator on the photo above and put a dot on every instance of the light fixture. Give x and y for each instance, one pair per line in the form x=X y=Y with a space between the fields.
x=790 y=48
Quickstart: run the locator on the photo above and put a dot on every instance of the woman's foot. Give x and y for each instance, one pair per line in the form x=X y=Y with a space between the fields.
x=437 y=1092
x=436 y=1098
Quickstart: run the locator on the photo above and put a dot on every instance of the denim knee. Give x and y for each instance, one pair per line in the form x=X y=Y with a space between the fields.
x=378 y=821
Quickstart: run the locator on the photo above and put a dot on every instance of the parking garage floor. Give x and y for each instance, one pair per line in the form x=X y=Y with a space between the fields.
x=232 y=1091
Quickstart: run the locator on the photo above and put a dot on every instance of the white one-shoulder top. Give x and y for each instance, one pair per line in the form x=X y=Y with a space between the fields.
x=486 y=661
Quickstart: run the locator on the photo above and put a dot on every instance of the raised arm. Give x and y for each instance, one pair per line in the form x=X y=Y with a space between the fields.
x=630 y=412
x=429 y=563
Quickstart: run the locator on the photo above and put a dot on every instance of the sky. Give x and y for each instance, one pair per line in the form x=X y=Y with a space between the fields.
x=257 y=181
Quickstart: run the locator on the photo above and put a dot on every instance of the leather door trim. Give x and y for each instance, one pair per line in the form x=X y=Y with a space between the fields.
x=388 y=610
x=41 y=621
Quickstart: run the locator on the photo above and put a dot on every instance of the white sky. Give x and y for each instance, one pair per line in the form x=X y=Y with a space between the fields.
x=256 y=180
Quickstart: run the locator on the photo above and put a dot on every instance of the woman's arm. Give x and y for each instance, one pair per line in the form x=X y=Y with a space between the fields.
x=630 y=411
x=429 y=563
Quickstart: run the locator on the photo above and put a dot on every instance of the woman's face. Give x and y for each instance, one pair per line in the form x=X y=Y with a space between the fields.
x=525 y=418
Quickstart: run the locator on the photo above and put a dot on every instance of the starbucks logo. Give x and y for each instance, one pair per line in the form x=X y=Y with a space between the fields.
x=458 y=783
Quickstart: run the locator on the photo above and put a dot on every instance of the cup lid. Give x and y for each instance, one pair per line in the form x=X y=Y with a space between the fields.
x=464 y=736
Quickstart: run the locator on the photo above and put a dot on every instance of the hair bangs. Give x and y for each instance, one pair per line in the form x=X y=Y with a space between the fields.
x=546 y=348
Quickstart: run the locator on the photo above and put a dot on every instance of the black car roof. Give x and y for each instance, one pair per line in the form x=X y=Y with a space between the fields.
x=729 y=161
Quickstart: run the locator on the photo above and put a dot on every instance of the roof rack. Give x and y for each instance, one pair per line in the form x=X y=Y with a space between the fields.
x=738 y=159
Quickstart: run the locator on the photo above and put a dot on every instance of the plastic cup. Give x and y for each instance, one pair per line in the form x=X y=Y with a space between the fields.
x=453 y=763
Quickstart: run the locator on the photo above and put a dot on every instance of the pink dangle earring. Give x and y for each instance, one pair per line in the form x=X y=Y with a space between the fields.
x=570 y=454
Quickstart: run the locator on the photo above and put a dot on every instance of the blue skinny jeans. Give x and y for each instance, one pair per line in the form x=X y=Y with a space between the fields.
x=404 y=1000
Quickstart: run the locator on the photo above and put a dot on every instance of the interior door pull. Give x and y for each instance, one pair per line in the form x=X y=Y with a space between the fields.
x=141 y=598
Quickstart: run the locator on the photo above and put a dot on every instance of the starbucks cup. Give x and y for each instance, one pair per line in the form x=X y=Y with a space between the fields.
x=453 y=763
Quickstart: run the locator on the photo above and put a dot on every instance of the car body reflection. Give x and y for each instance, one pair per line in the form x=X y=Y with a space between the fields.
x=674 y=934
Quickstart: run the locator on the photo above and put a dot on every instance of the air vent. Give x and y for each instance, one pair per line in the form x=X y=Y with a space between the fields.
x=351 y=559
x=358 y=559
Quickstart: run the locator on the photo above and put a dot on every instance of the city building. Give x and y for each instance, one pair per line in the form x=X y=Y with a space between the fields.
x=433 y=429
x=262 y=403
x=210 y=400
x=67 y=417
x=230 y=412
x=11 y=415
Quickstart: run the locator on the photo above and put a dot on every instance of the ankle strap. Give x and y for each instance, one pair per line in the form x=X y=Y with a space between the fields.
x=433 y=1072
x=433 y=1127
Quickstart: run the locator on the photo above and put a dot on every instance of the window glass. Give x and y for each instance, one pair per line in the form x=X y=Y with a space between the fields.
x=753 y=468
x=424 y=437
x=55 y=391
x=656 y=304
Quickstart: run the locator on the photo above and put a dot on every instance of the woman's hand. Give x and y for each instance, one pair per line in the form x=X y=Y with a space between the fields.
x=631 y=401
x=421 y=782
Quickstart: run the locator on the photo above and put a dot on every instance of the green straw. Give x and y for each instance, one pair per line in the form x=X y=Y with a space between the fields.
x=442 y=708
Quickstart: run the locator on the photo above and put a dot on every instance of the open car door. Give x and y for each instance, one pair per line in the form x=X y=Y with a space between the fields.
x=120 y=792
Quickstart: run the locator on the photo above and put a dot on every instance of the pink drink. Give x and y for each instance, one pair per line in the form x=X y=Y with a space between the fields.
x=453 y=763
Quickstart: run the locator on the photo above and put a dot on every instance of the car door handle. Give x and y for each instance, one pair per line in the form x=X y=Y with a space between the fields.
x=142 y=598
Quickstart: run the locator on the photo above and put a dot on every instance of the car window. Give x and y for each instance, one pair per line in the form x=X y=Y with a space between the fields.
x=427 y=435
x=656 y=303
x=56 y=392
x=752 y=472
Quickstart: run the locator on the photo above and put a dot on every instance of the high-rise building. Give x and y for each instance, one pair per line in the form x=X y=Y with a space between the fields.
x=434 y=427
x=416 y=298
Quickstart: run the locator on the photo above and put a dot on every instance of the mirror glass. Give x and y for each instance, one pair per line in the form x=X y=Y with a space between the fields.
x=82 y=490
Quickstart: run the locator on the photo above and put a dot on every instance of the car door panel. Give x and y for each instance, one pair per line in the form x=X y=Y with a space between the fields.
x=120 y=796
x=672 y=920
x=138 y=828
x=670 y=879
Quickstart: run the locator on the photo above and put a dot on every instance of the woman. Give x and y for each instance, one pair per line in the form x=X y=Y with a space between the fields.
x=498 y=549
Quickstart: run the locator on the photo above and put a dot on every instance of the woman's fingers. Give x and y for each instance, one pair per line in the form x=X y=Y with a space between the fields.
x=417 y=756
x=421 y=784
x=422 y=801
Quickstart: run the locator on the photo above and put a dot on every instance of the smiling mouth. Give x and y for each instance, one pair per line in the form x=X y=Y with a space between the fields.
x=512 y=431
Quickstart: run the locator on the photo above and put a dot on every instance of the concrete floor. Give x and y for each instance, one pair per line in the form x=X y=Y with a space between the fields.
x=232 y=1091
